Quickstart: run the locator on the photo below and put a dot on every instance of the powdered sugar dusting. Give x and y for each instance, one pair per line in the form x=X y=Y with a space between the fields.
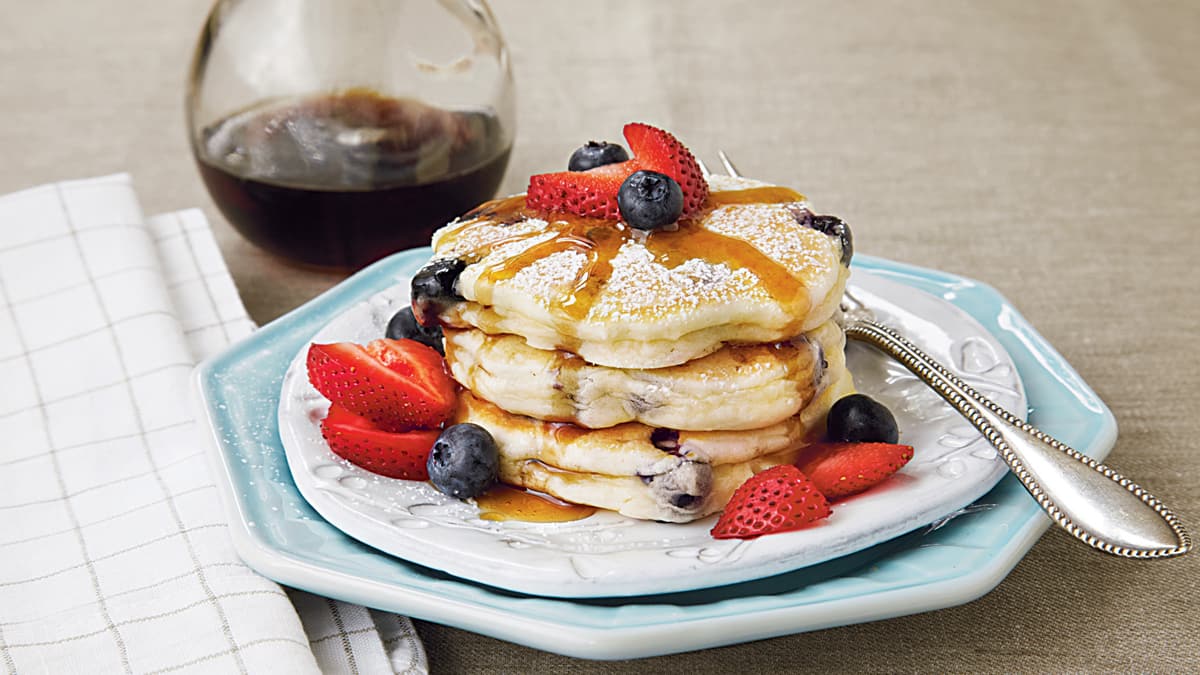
x=772 y=228
x=460 y=239
x=549 y=278
x=641 y=287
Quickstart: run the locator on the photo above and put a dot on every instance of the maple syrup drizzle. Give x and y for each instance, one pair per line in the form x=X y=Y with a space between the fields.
x=505 y=502
x=691 y=241
x=600 y=240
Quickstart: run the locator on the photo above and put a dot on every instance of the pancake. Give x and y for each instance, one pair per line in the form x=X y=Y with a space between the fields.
x=643 y=471
x=754 y=266
x=737 y=387
x=687 y=492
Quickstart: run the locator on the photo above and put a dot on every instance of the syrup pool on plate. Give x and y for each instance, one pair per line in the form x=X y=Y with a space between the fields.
x=504 y=502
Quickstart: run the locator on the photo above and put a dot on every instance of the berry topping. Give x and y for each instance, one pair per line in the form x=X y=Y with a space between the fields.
x=405 y=326
x=433 y=288
x=657 y=150
x=779 y=499
x=859 y=418
x=593 y=193
x=396 y=385
x=843 y=469
x=649 y=200
x=464 y=461
x=395 y=455
x=596 y=153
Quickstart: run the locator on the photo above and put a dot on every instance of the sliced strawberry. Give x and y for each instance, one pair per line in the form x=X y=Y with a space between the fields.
x=593 y=193
x=779 y=499
x=656 y=150
x=355 y=439
x=843 y=469
x=396 y=384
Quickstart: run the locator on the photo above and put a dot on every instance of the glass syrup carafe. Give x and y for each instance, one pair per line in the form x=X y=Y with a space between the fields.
x=335 y=132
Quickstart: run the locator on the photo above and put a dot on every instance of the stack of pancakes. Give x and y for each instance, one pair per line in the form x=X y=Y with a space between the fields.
x=649 y=373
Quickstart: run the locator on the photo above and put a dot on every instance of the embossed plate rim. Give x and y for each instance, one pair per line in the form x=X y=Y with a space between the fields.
x=918 y=572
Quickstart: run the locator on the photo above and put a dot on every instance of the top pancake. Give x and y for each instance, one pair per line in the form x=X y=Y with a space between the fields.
x=747 y=269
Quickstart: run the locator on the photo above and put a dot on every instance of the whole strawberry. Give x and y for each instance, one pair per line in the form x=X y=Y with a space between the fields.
x=780 y=499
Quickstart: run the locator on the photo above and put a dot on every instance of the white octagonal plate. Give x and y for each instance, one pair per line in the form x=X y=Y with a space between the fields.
x=609 y=555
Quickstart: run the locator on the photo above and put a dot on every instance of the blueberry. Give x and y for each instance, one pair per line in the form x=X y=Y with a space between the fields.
x=666 y=440
x=830 y=225
x=433 y=288
x=596 y=153
x=683 y=501
x=649 y=200
x=858 y=418
x=404 y=325
x=464 y=461
x=837 y=228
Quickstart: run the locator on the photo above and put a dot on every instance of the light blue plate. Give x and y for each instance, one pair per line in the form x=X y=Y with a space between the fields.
x=277 y=533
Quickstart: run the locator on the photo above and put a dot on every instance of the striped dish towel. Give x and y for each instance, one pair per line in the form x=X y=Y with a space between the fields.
x=114 y=555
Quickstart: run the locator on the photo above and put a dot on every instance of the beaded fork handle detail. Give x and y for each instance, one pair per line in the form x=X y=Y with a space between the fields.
x=1084 y=497
x=1087 y=499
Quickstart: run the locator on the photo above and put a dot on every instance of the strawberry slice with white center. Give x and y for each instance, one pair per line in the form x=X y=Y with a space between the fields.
x=593 y=193
x=395 y=455
x=395 y=384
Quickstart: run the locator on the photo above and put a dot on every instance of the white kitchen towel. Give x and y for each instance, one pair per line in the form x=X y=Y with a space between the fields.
x=114 y=551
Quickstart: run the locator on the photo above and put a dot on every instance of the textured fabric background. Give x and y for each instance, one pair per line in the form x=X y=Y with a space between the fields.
x=1051 y=149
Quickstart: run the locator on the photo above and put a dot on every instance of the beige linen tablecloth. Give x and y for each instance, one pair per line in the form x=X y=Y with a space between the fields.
x=1051 y=149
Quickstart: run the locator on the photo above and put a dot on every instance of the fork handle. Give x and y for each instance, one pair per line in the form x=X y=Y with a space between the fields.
x=1091 y=501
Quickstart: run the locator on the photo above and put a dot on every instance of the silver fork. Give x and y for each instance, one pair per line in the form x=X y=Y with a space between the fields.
x=1087 y=499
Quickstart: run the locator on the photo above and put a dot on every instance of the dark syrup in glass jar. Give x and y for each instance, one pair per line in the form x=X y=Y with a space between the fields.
x=340 y=180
